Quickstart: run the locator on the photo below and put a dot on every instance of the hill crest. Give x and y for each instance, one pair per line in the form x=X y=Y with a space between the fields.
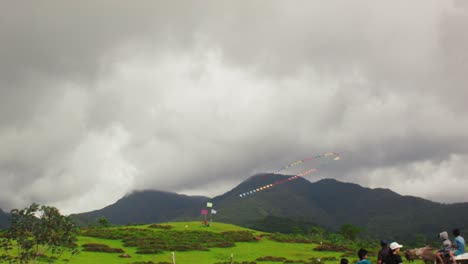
x=299 y=203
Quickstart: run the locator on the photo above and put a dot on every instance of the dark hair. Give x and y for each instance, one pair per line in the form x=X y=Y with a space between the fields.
x=344 y=261
x=456 y=232
x=362 y=253
x=384 y=242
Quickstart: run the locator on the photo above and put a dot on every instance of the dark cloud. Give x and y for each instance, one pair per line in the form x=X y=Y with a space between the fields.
x=101 y=98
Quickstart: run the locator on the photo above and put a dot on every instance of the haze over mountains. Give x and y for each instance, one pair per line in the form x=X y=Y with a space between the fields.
x=297 y=204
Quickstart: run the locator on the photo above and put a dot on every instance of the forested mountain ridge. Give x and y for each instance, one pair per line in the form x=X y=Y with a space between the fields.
x=299 y=203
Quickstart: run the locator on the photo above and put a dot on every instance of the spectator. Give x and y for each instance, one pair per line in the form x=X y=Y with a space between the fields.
x=458 y=244
x=383 y=253
x=445 y=249
x=395 y=257
x=362 y=254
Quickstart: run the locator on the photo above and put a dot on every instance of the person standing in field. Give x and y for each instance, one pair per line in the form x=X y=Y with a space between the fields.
x=394 y=255
x=383 y=253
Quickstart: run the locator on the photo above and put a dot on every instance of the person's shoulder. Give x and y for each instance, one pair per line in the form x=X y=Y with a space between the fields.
x=364 y=261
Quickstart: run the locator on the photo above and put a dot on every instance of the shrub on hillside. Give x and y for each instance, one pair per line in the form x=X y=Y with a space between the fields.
x=101 y=248
x=287 y=238
x=272 y=259
x=222 y=244
x=148 y=241
x=166 y=227
x=332 y=247
x=239 y=236
x=115 y=233
x=235 y=262
x=148 y=251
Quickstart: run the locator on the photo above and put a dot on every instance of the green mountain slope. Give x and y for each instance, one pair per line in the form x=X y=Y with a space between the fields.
x=290 y=201
x=296 y=204
x=330 y=203
x=147 y=207
x=3 y=219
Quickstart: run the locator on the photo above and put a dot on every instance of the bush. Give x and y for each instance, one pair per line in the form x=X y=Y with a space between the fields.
x=148 y=241
x=284 y=238
x=332 y=247
x=148 y=251
x=166 y=227
x=101 y=248
x=238 y=236
x=235 y=262
x=270 y=258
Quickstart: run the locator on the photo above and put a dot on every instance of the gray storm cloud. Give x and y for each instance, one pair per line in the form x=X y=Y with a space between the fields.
x=101 y=98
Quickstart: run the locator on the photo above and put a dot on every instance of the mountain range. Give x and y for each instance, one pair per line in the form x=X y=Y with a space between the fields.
x=328 y=203
x=3 y=219
x=147 y=207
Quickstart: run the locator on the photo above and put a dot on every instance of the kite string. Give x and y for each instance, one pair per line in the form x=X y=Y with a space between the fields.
x=279 y=182
x=295 y=163
x=328 y=154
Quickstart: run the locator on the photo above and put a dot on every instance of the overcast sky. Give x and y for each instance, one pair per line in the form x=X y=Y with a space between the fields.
x=99 y=98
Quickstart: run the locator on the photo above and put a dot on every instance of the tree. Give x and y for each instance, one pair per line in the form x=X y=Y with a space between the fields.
x=317 y=232
x=297 y=230
x=349 y=231
x=38 y=232
x=103 y=222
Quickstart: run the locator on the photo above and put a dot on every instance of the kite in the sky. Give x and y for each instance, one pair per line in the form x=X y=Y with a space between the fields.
x=333 y=155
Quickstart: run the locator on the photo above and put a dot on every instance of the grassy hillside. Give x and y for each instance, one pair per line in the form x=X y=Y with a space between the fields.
x=381 y=213
x=246 y=252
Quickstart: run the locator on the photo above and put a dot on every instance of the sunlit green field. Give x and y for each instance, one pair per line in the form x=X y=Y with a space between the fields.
x=242 y=252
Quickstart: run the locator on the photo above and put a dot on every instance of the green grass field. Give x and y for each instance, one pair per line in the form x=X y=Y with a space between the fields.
x=243 y=252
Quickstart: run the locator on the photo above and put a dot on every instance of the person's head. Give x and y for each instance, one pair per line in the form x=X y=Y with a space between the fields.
x=344 y=261
x=456 y=232
x=395 y=247
x=443 y=235
x=384 y=243
x=362 y=254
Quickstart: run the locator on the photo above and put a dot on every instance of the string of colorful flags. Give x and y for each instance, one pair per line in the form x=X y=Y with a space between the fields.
x=268 y=186
x=335 y=156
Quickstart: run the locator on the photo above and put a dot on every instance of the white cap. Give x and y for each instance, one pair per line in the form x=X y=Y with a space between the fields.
x=395 y=245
